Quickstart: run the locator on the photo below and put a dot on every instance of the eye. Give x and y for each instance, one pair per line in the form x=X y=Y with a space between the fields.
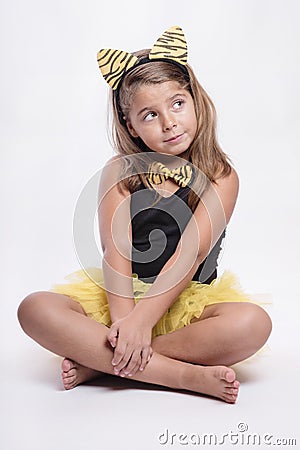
x=149 y=116
x=178 y=104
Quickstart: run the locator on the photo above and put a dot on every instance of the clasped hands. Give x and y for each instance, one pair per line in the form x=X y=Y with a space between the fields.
x=131 y=339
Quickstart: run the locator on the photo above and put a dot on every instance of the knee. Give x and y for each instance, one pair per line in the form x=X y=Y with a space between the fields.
x=255 y=325
x=29 y=310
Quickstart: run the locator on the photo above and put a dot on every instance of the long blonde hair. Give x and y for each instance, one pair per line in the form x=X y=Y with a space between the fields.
x=205 y=153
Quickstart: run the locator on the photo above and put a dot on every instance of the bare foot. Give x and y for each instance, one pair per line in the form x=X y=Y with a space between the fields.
x=74 y=374
x=217 y=381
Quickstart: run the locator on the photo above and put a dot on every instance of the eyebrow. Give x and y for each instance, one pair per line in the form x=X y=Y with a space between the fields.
x=148 y=108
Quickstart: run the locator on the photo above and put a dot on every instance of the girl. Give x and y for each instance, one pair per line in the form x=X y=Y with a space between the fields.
x=164 y=203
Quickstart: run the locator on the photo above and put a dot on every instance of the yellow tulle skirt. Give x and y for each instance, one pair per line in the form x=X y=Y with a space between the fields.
x=91 y=295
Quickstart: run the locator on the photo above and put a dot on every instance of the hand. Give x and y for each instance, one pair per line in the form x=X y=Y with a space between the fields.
x=131 y=339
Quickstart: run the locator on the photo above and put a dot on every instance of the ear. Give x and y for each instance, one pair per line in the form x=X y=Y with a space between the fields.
x=131 y=129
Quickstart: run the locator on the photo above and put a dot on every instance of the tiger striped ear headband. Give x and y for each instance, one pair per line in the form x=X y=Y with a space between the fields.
x=171 y=46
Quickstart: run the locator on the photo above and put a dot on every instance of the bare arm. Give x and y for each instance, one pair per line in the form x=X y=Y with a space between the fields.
x=115 y=236
x=202 y=232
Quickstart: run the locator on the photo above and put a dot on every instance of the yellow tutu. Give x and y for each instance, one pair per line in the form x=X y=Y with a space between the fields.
x=190 y=304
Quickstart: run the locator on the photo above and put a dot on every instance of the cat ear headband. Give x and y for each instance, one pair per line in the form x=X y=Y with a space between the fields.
x=115 y=64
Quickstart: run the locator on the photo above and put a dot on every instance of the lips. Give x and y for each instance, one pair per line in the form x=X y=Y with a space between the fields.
x=174 y=138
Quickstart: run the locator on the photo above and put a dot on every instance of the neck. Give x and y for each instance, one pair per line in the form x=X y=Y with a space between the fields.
x=172 y=161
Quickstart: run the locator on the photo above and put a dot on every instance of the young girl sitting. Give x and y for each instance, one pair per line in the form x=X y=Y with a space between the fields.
x=156 y=311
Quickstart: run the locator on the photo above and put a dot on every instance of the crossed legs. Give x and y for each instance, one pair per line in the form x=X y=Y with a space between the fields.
x=59 y=324
x=225 y=333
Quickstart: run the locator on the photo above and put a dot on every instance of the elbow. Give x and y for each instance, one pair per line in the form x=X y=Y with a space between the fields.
x=116 y=249
x=203 y=252
x=200 y=258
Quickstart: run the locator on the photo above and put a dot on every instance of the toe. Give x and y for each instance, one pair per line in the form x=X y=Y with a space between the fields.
x=229 y=375
x=229 y=398
x=66 y=384
x=69 y=382
x=71 y=373
x=232 y=391
x=225 y=373
x=67 y=365
x=67 y=377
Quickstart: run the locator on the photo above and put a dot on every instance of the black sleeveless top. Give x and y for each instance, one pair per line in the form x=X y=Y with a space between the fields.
x=156 y=230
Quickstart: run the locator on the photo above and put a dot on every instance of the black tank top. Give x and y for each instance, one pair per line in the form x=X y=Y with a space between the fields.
x=157 y=226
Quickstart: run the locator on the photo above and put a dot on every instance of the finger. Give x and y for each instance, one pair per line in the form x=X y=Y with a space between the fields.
x=112 y=336
x=145 y=353
x=135 y=369
x=113 y=342
x=133 y=364
x=119 y=352
x=126 y=370
x=150 y=355
x=123 y=359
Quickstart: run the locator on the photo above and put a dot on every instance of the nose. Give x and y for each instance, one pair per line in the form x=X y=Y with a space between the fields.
x=169 y=122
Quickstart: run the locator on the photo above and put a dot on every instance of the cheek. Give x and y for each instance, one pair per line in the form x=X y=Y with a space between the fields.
x=194 y=121
x=148 y=133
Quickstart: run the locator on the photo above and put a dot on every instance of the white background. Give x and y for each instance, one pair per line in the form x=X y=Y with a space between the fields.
x=53 y=140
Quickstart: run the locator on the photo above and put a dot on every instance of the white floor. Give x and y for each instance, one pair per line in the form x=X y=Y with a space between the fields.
x=37 y=414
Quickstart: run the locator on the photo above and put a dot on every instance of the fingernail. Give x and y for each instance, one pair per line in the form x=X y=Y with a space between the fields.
x=116 y=371
x=141 y=369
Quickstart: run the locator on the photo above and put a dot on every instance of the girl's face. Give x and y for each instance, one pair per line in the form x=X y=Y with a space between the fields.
x=163 y=116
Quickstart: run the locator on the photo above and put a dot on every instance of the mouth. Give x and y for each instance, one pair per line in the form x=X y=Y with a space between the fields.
x=174 y=138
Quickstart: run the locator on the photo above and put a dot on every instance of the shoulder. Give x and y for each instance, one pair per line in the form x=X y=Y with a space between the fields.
x=221 y=195
x=230 y=181
x=227 y=189
x=112 y=164
x=111 y=178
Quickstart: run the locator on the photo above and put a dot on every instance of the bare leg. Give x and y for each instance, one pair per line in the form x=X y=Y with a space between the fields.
x=56 y=323
x=225 y=333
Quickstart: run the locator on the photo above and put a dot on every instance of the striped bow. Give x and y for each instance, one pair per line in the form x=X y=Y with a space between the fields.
x=158 y=172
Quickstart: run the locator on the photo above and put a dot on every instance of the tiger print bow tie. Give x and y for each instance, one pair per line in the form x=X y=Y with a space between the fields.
x=158 y=172
x=171 y=46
